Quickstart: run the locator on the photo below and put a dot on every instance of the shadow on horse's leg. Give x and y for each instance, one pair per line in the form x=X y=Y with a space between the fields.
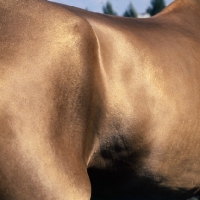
x=195 y=198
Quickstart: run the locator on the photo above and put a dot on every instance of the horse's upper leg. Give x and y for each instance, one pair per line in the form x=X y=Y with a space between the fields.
x=32 y=168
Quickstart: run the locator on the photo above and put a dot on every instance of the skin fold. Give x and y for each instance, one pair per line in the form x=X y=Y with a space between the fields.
x=99 y=107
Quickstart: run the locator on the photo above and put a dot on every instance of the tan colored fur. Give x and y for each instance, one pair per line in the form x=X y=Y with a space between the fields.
x=83 y=91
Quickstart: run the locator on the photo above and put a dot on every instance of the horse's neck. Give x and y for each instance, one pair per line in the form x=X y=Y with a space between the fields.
x=188 y=7
x=195 y=2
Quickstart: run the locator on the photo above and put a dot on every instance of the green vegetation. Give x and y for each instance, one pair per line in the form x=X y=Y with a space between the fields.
x=155 y=7
x=130 y=12
x=108 y=9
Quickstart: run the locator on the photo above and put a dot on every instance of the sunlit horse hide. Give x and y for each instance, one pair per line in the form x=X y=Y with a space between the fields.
x=99 y=105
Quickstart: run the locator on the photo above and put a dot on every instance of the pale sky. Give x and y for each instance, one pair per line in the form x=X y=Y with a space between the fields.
x=118 y=5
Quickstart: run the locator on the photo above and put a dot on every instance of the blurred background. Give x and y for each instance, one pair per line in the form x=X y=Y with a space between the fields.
x=127 y=8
